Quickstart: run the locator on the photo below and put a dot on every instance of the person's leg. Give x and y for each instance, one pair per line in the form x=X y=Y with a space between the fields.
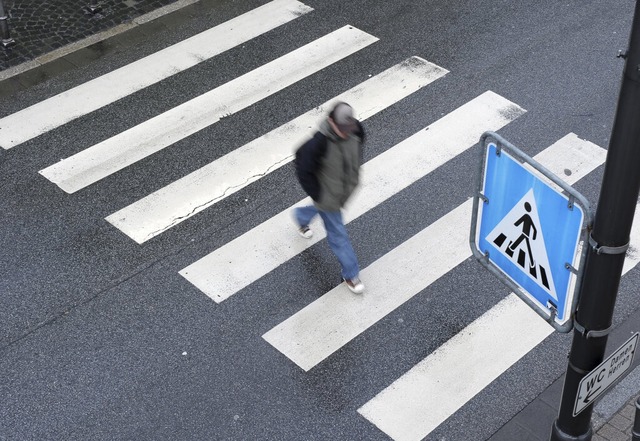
x=532 y=262
x=340 y=244
x=513 y=245
x=304 y=215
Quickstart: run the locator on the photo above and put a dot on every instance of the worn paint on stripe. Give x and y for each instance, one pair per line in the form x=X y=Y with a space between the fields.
x=419 y=401
x=130 y=146
x=242 y=261
x=106 y=89
x=431 y=391
x=324 y=326
x=184 y=198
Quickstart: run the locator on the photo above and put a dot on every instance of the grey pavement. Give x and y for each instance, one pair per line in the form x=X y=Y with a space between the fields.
x=613 y=414
x=619 y=427
x=56 y=36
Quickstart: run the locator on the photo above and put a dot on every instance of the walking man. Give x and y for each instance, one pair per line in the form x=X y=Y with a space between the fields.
x=328 y=168
x=527 y=227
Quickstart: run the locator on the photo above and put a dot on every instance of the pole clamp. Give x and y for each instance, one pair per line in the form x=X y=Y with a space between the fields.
x=577 y=370
x=590 y=334
x=601 y=249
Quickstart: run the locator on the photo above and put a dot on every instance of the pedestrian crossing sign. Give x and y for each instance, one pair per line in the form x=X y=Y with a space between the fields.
x=527 y=228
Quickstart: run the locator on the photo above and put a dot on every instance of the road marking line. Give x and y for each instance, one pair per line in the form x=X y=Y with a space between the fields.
x=106 y=89
x=130 y=146
x=244 y=260
x=167 y=207
x=419 y=401
x=431 y=391
x=327 y=324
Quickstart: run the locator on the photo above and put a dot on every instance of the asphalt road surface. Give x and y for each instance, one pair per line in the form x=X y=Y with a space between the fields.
x=153 y=285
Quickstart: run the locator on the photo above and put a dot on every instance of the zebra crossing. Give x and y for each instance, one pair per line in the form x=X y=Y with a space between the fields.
x=521 y=259
x=208 y=185
x=416 y=403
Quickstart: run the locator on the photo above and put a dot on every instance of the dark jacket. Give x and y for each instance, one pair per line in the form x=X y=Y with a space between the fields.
x=328 y=167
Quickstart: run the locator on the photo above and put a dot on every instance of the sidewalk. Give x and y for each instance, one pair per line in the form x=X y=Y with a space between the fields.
x=57 y=36
x=534 y=422
x=619 y=427
x=39 y=27
x=613 y=414
x=54 y=38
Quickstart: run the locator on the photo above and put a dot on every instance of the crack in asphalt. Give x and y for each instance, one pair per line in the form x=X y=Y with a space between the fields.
x=179 y=219
x=69 y=309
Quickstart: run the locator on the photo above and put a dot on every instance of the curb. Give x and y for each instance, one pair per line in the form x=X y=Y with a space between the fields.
x=50 y=57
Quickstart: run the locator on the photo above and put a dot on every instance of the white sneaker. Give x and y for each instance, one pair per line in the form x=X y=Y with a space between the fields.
x=305 y=232
x=355 y=285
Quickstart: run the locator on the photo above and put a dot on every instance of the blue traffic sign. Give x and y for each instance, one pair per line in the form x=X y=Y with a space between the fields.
x=529 y=230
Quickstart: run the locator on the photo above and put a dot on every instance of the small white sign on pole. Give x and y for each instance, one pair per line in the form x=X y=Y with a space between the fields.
x=599 y=379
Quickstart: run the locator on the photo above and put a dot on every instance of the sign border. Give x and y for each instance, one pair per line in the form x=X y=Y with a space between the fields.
x=546 y=176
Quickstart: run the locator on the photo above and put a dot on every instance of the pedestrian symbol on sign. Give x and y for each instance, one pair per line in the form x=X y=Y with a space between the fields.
x=527 y=226
x=519 y=237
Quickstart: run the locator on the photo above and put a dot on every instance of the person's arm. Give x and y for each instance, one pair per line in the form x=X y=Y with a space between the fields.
x=308 y=159
x=360 y=134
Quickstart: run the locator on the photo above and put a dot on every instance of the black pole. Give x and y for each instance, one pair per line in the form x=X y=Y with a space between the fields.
x=635 y=434
x=5 y=37
x=608 y=243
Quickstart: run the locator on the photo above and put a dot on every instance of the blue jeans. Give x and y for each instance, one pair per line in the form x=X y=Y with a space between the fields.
x=336 y=236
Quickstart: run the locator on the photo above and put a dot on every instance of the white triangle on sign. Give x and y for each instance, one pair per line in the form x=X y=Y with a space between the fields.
x=519 y=237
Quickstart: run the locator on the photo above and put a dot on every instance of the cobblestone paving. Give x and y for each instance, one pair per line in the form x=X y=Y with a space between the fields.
x=619 y=427
x=40 y=26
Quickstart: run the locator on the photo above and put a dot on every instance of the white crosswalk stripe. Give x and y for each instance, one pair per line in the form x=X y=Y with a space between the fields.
x=242 y=261
x=186 y=197
x=323 y=327
x=92 y=95
x=422 y=399
x=130 y=146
